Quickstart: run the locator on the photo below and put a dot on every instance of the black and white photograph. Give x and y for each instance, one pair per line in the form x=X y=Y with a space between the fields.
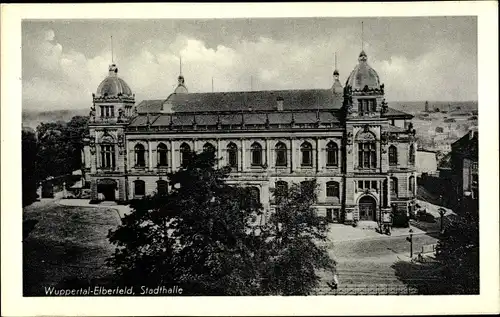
x=313 y=156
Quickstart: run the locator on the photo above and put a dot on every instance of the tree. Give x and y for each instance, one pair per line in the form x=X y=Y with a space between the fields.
x=60 y=146
x=458 y=251
x=29 y=175
x=296 y=236
x=206 y=237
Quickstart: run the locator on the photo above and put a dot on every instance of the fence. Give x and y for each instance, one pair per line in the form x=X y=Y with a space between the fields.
x=377 y=289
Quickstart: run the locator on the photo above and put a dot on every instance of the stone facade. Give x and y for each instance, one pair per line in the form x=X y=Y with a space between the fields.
x=340 y=138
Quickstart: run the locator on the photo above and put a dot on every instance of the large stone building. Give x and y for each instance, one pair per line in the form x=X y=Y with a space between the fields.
x=361 y=153
x=464 y=166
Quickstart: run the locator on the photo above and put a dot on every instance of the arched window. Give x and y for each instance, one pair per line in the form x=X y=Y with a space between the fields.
x=208 y=147
x=256 y=150
x=185 y=149
x=140 y=155
x=411 y=185
x=332 y=154
x=139 y=188
x=394 y=186
x=255 y=193
x=162 y=151
x=232 y=155
x=281 y=187
x=411 y=155
x=332 y=189
x=162 y=187
x=280 y=150
x=306 y=154
x=393 y=155
x=307 y=187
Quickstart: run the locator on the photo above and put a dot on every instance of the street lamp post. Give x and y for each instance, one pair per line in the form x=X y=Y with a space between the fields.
x=410 y=239
x=442 y=211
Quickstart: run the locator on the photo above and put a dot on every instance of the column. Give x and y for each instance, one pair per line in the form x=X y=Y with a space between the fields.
x=172 y=156
x=242 y=156
x=268 y=153
x=195 y=145
x=292 y=151
x=318 y=155
x=415 y=184
x=150 y=155
x=388 y=191
x=219 y=158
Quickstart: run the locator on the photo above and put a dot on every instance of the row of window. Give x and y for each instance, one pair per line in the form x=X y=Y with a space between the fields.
x=394 y=185
x=107 y=111
x=393 y=155
x=332 y=188
x=256 y=154
x=367 y=157
x=367 y=105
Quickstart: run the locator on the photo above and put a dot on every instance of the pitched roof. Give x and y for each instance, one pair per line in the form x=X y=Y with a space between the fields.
x=232 y=120
x=243 y=100
x=467 y=145
x=393 y=113
x=395 y=129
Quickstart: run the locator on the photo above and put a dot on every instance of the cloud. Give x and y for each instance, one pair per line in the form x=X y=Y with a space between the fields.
x=64 y=78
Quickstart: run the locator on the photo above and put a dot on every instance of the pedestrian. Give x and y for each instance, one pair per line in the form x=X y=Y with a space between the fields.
x=335 y=281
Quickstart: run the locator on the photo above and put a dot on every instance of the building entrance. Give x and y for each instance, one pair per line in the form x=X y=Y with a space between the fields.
x=367 y=208
x=107 y=188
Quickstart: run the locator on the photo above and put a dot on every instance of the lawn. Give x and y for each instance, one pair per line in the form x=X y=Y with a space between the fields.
x=64 y=244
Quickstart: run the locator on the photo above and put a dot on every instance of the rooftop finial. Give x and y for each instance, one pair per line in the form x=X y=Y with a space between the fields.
x=112 y=57
x=180 y=65
x=362 y=39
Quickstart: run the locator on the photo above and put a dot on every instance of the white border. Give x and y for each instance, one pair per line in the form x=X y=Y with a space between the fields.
x=13 y=304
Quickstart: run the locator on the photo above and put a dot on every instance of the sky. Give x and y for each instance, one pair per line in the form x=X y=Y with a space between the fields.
x=418 y=59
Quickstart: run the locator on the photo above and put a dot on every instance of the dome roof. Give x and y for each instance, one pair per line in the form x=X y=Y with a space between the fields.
x=363 y=75
x=181 y=87
x=113 y=86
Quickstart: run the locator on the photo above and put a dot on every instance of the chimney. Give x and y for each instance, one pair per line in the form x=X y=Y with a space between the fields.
x=279 y=103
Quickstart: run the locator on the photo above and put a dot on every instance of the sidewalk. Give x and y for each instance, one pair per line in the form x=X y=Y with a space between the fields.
x=341 y=232
x=122 y=210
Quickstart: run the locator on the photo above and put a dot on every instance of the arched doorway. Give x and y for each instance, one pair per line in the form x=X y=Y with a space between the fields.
x=107 y=187
x=367 y=208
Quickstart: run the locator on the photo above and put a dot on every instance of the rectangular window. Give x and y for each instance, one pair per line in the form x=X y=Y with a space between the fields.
x=107 y=156
x=102 y=111
x=367 y=155
x=112 y=111
x=362 y=185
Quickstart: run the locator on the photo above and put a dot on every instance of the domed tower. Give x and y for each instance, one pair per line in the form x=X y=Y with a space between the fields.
x=181 y=87
x=105 y=149
x=363 y=93
x=337 y=86
x=113 y=100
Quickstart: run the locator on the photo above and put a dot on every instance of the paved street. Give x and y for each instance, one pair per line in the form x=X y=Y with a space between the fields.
x=379 y=259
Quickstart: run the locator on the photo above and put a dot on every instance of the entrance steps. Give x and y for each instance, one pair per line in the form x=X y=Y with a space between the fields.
x=366 y=224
